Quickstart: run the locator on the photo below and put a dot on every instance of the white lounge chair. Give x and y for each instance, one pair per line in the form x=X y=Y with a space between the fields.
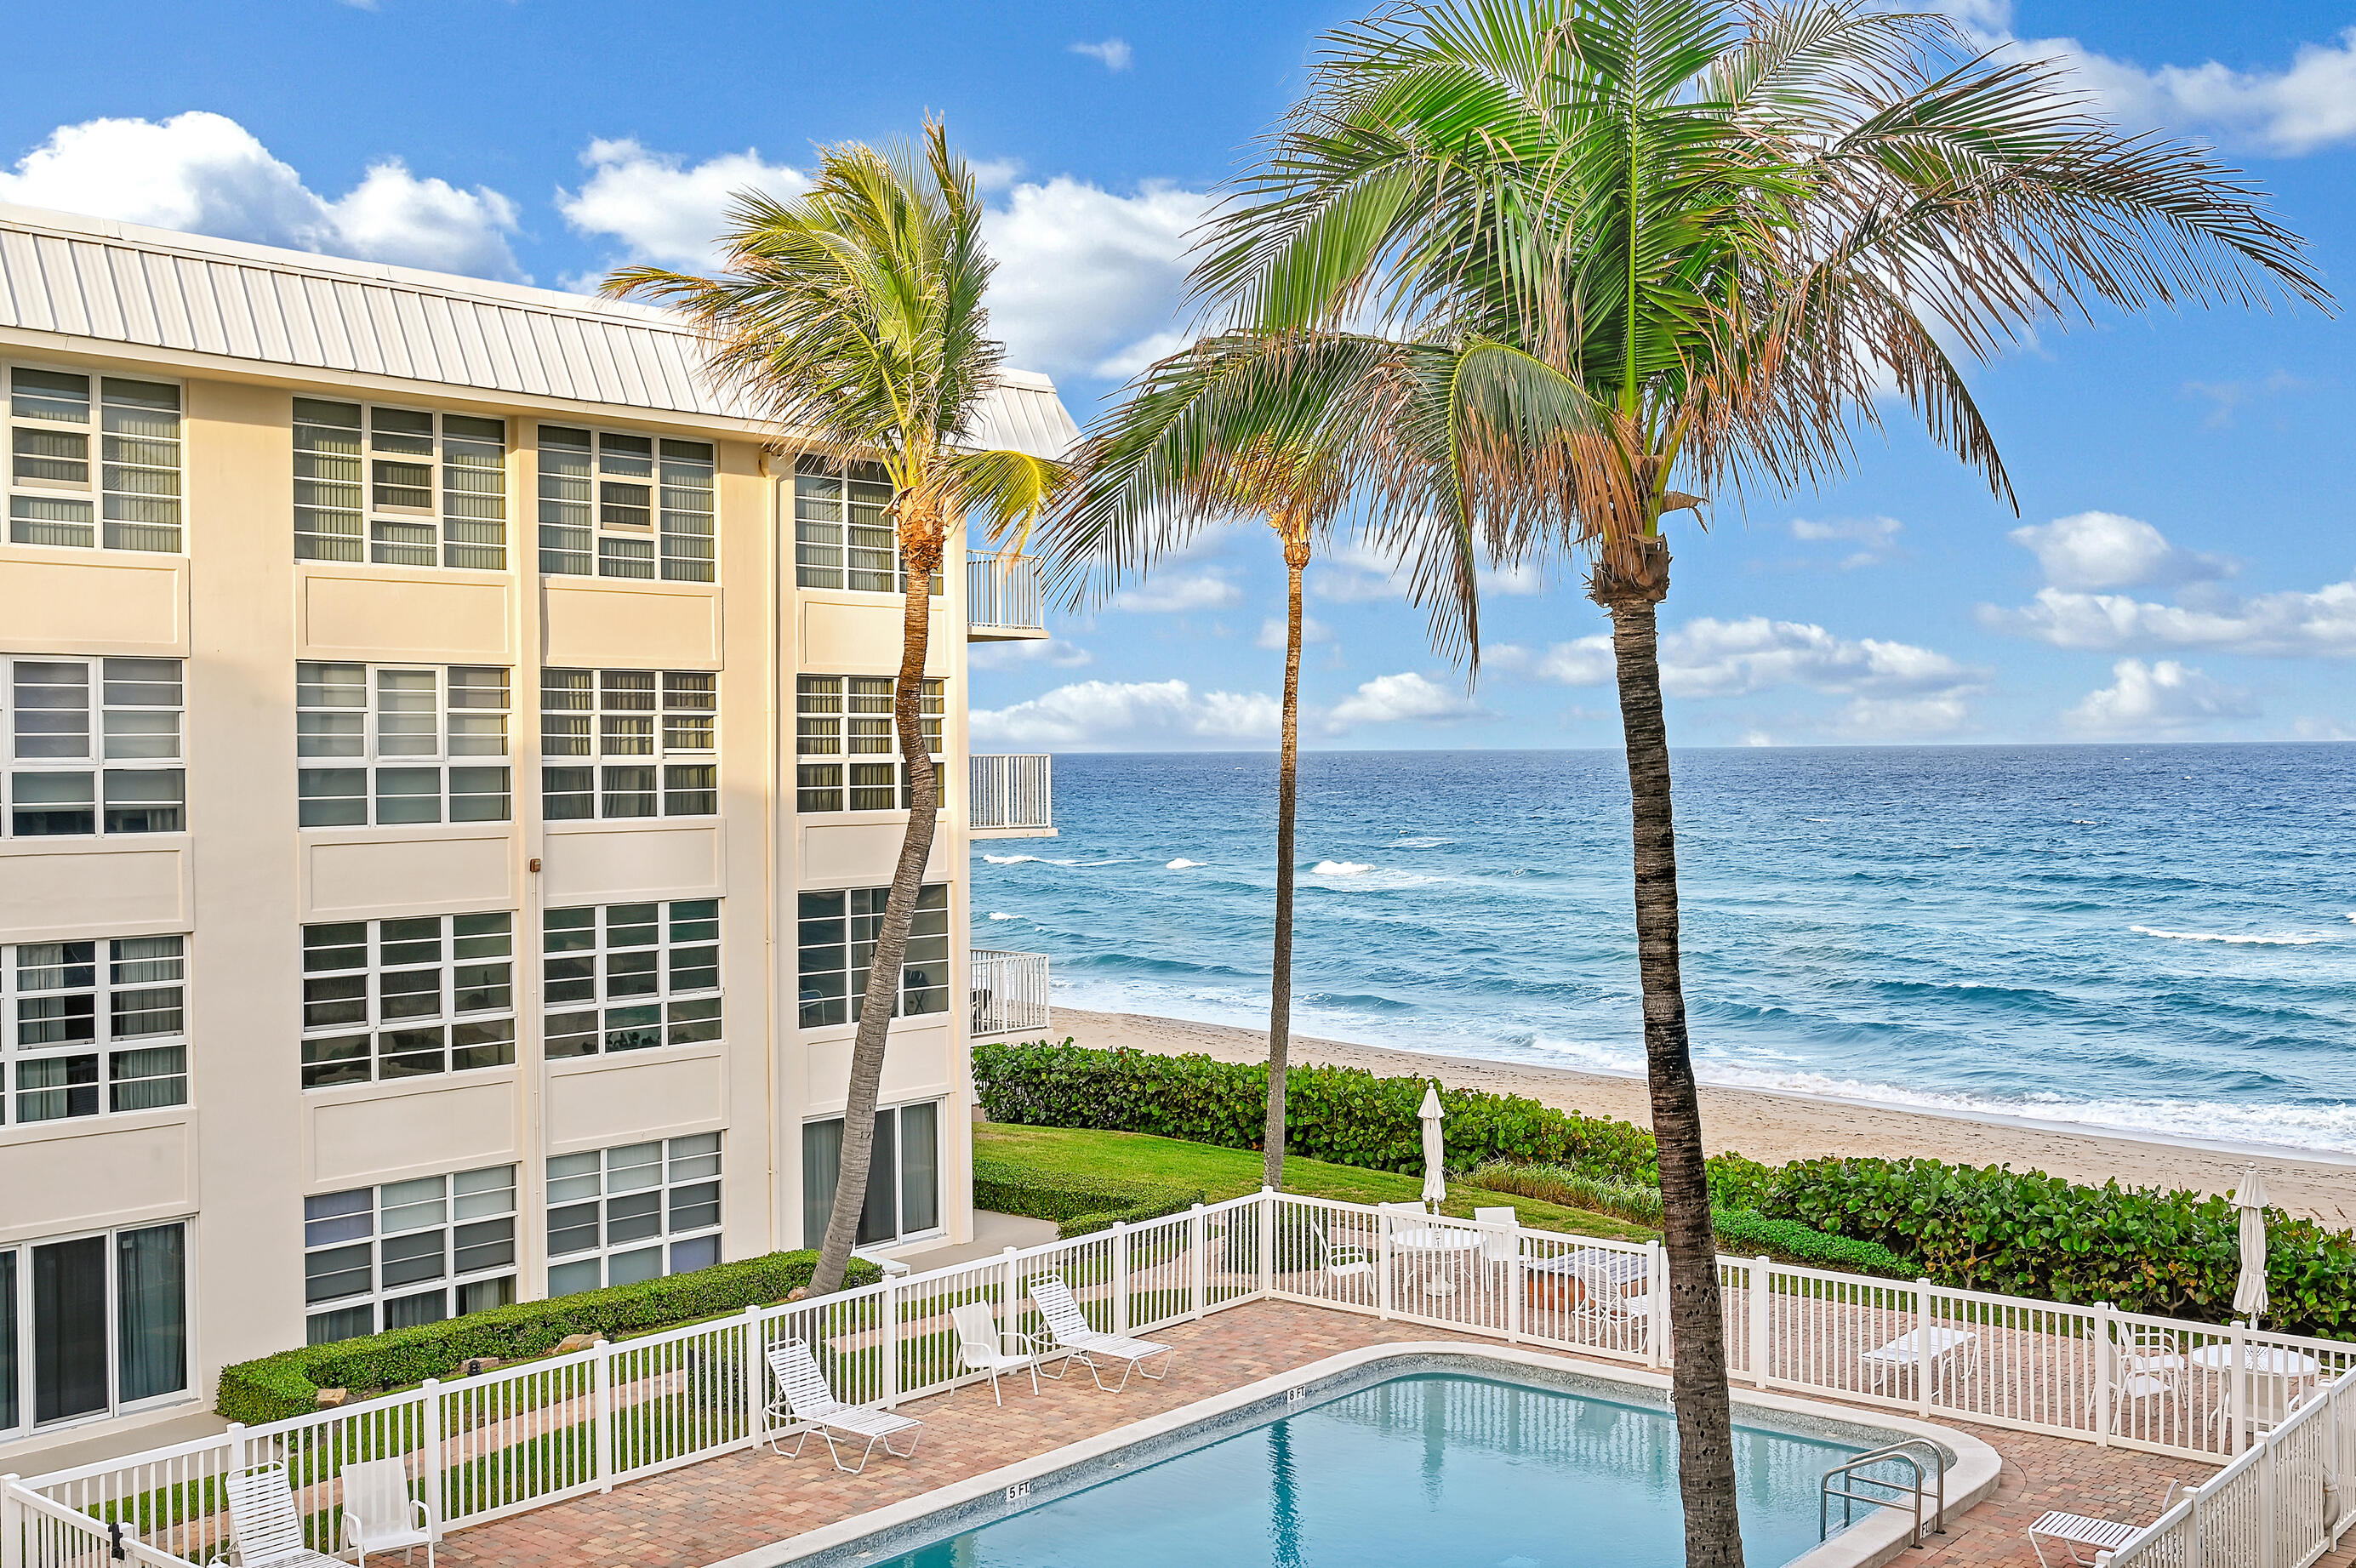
x=1900 y=1355
x=265 y=1527
x=1072 y=1335
x=379 y=1514
x=2073 y=1531
x=983 y=1347
x=805 y=1404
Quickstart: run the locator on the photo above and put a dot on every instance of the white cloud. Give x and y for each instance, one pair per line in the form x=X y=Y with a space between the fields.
x=1586 y=662
x=2227 y=398
x=207 y=173
x=1113 y=54
x=2161 y=698
x=2302 y=107
x=661 y=208
x=1128 y=716
x=1391 y=699
x=1176 y=594
x=2312 y=728
x=1019 y=653
x=1356 y=572
x=1272 y=633
x=2291 y=624
x=1087 y=280
x=1709 y=658
x=2104 y=550
x=1875 y=538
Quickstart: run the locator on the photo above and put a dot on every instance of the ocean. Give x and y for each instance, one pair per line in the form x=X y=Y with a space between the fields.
x=2154 y=939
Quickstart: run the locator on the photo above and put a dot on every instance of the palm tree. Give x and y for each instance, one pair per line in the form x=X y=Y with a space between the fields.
x=1687 y=242
x=1237 y=425
x=852 y=317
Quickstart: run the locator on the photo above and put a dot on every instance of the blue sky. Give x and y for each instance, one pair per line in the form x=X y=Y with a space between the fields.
x=2183 y=567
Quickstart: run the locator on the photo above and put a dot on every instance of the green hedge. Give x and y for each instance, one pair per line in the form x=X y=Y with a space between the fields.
x=288 y=1384
x=1748 y=1231
x=1080 y=1203
x=1343 y=1114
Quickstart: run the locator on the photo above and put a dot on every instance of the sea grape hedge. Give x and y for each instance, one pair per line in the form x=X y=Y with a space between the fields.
x=1078 y=1204
x=1343 y=1114
x=288 y=1384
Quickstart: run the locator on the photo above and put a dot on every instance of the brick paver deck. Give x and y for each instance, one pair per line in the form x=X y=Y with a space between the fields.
x=704 y=1512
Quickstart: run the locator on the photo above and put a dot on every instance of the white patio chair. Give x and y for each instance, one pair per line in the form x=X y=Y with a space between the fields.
x=1339 y=1259
x=1071 y=1335
x=2075 y=1531
x=379 y=1514
x=805 y=1404
x=1501 y=1246
x=265 y=1526
x=2145 y=1365
x=983 y=1347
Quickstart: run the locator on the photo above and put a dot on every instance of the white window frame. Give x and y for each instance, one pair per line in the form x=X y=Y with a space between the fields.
x=609 y=509
x=135 y=780
x=847 y=746
x=861 y=909
x=354 y=471
x=114 y=992
x=108 y=491
x=473 y=1205
x=817 y=1196
x=467 y=746
x=16 y=1309
x=589 y=1192
x=588 y=751
x=845 y=538
x=357 y=1030
x=605 y=990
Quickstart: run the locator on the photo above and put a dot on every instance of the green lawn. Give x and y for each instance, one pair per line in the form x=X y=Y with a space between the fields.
x=1224 y=1173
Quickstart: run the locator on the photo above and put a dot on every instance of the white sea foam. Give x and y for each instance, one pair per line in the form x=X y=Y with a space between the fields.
x=1339 y=868
x=1181 y=864
x=1418 y=843
x=1001 y=914
x=2287 y=939
x=2083 y=822
x=1008 y=860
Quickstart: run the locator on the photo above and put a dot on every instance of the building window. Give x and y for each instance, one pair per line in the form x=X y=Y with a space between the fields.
x=374 y=740
x=903 y=1177
x=403 y=998
x=838 y=936
x=400 y=487
x=130 y=498
x=613 y=504
x=618 y=1216
x=844 y=536
x=848 y=717
x=96 y=1027
x=642 y=740
x=631 y=977
x=94 y=746
x=408 y=1252
x=92 y=1325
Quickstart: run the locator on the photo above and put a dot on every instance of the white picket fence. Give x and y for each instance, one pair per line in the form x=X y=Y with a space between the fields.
x=524 y=1437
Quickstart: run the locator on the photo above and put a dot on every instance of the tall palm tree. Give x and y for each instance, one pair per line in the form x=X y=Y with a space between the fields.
x=1689 y=243
x=1238 y=424
x=852 y=317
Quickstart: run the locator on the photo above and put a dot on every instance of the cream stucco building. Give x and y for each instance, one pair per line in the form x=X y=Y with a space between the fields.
x=446 y=775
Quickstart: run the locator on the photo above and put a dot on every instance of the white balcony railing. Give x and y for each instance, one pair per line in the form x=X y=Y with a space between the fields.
x=1010 y=992
x=1002 y=597
x=1011 y=794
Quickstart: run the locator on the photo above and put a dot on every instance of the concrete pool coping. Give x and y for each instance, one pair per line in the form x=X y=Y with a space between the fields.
x=1880 y=1535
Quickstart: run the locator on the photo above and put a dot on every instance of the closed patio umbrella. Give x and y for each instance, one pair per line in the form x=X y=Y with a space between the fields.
x=1435 y=1174
x=2250 y=1291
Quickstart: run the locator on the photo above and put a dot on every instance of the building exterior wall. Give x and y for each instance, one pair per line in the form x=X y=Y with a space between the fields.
x=252 y=1143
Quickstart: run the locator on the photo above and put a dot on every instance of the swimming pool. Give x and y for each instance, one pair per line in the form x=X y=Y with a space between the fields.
x=1437 y=1469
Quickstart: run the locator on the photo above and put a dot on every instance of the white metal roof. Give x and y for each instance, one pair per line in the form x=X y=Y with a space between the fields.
x=120 y=283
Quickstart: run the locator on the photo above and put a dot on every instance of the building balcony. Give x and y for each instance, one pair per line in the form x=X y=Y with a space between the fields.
x=1010 y=992
x=1009 y=797
x=1002 y=598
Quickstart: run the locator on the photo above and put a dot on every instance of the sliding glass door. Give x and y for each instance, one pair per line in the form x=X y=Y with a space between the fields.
x=904 y=1179
x=93 y=1323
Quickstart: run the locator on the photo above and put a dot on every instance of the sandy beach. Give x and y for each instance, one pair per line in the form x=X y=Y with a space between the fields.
x=1777 y=1127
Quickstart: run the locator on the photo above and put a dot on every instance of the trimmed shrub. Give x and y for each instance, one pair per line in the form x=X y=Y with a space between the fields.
x=1343 y=1114
x=288 y=1384
x=1748 y=1231
x=1078 y=1204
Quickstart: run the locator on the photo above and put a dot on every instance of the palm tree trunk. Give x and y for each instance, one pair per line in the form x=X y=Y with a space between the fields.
x=1280 y=989
x=1698 y=1391
x=881 y=999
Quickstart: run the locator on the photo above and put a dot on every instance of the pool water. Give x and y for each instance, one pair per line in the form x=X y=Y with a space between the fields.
x=1426 y=1471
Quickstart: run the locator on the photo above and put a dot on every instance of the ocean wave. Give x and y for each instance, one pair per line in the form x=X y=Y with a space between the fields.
x=2288 y=939
x=1000 y=914
x=1181 y=864
x=1436 y=843
x=1042 y=860
x=1339 y=868
x=1008 y=860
